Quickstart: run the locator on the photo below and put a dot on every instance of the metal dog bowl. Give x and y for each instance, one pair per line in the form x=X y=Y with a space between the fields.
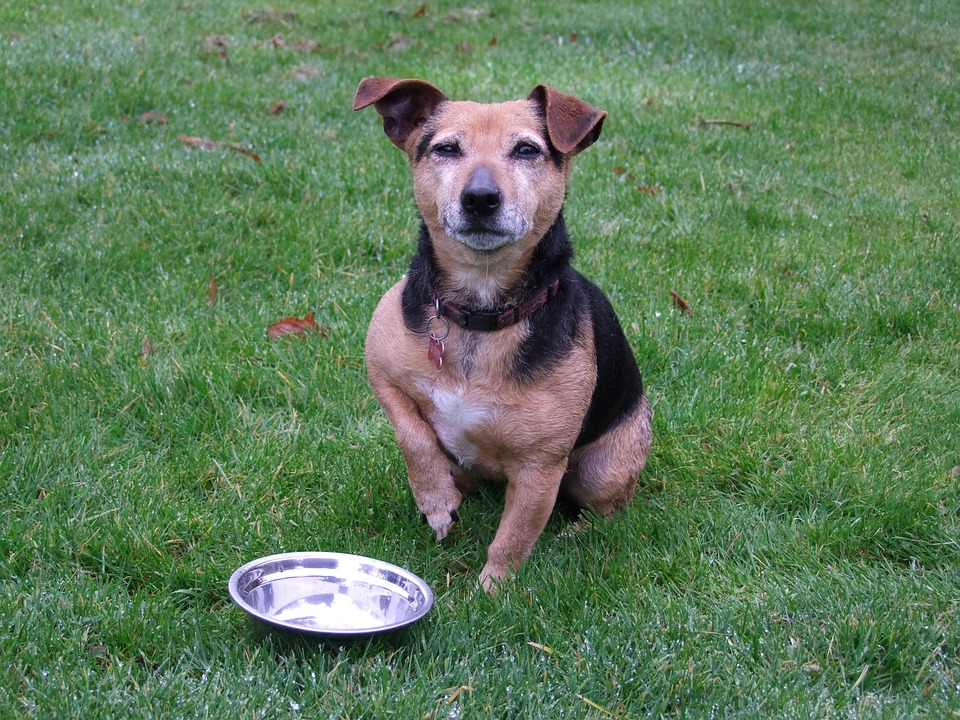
x=325 y=593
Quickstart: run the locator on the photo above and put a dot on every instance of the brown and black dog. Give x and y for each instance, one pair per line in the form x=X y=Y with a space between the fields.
x=493 y=357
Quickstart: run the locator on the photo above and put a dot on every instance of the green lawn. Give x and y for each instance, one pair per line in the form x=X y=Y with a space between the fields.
x=793 y=547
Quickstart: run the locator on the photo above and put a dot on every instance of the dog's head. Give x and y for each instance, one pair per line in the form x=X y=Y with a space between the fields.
x=487 y=176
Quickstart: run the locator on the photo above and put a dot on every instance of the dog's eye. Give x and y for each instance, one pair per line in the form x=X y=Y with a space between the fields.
x=447 y=149
x=526 y=150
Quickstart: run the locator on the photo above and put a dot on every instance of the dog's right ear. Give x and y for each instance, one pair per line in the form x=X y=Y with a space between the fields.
x=405 y=105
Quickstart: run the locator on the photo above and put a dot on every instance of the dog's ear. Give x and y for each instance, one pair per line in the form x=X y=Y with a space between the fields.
x=572 y=124
x=405 y=105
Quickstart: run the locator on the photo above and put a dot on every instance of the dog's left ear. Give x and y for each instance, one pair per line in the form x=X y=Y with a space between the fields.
x=405 y=105
x=572 y=124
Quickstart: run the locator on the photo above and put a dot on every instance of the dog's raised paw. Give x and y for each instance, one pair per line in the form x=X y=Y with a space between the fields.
x=441 y=517
x=440 y=522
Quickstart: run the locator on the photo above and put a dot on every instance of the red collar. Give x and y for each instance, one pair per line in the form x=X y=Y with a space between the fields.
x=500 y=318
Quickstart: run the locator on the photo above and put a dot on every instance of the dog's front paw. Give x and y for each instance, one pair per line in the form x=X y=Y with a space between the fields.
x=492 y=577
x=440 y=512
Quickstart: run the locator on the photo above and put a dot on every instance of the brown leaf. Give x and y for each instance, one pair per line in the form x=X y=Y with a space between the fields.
x=277 y=109
x=292 y=326
x=573 y=37
x=197 y=142
x=151 y=116
x=651 y=190
x=707 y=122
x=215 y=44
x=493 y=41
x=619 y=170
x=145 y=349
x=420 y=11
x=244 y=151
x=212 y=294
x=278 y=41
x=679 y=302
x=205 y=144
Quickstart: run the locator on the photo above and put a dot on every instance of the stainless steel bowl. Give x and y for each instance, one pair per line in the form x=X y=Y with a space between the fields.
x=325 y=593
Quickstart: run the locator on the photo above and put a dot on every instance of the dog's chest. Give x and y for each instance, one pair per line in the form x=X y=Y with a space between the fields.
x=462 y=421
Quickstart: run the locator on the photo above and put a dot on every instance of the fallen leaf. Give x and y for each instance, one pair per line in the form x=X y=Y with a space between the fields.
x=650 y=101
x=420 y=11
x=197 y=142
x=619 y=170
x=277 y=109
x=212 y=294
x=651 y=190
x=955 y=471
x=493 y=41
x=244 y=151
x=679 y=302
x=205 y=144
x=151 y=116
x=215 y=44
x=573 y=37
x=706 y=122
x=292 y=326
x=145 y=349
x=278 y=41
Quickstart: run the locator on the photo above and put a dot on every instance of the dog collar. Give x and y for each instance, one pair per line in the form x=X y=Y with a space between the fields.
x=496 y=319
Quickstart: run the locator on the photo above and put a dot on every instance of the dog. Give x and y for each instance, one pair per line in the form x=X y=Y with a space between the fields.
x=493 y=358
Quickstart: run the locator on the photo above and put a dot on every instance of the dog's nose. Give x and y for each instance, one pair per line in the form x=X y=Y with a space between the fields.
x=481 y=197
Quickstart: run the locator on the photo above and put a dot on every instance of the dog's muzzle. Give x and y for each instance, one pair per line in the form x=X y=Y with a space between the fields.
x=483 y=221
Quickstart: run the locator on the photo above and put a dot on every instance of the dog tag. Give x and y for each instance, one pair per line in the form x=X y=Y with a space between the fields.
x=435 y=351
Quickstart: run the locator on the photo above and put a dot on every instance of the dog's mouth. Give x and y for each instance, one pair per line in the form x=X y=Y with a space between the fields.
x=484 y=235
x=483 y=241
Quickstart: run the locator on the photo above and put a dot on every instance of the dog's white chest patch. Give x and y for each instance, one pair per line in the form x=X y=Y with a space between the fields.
x=455 y=419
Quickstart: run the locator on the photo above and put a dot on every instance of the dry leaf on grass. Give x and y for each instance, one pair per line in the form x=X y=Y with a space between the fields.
x=152 y=117
x=215 y=44
x=679 y=302
x=205 y=144
x=145 y=349
x=212 y=293
x=293 y=326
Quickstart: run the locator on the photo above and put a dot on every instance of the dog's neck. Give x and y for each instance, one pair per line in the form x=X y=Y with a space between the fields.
x=426 y=282
x=488 y=284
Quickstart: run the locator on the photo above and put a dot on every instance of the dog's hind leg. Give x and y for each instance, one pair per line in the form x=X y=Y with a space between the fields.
x=603 y=474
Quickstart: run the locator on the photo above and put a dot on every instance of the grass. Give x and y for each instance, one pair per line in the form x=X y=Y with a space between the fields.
x=792 y=551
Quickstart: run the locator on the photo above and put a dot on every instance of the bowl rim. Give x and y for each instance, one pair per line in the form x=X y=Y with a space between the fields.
x=240 y=600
